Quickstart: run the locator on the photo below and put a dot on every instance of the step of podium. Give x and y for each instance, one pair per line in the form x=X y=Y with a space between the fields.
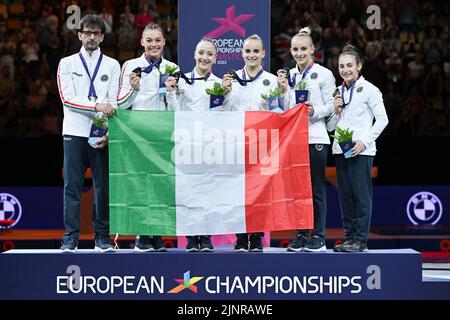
x=221 y=275
x=51 y=239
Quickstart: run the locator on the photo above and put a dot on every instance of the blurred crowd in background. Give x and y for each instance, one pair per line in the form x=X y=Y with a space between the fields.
x=408 y=58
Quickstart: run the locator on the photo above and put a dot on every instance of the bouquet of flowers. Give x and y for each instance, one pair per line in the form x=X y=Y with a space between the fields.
x=98 y=129
x=344 y=138
x=302 y=85
x=273 y=100
x=217 y=95
x=168 y=70
x=301 y=92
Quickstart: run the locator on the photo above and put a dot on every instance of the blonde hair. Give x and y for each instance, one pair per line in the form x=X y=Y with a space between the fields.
x=208 y=40
x=255 y=37
x=304 y=32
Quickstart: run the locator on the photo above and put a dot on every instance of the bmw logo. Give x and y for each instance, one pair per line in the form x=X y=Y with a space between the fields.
x=424 y=208
x=104 y=77
x=314 y=75
x=10 y=208
x=266 y=82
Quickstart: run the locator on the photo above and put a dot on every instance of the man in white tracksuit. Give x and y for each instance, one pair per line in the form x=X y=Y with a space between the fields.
x=88 y=83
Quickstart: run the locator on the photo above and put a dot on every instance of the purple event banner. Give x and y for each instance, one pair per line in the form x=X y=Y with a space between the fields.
x=227 y=23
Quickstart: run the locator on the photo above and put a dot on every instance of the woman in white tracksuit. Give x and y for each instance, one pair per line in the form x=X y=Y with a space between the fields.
x=142 y=87
x=356 y=107
x=248 y=83
x=245 y=88
x=187 y=93
x=320 y=83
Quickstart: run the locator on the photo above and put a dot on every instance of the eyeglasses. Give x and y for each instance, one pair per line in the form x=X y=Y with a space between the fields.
x=90 y=33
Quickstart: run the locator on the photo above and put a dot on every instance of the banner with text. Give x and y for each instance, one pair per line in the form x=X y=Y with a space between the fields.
x=227 y=23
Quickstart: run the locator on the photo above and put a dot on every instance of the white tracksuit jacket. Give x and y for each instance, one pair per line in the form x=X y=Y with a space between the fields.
x=73 y=85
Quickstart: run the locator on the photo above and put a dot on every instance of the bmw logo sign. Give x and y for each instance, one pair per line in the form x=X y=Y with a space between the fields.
x=424 y=208
x=10 y=208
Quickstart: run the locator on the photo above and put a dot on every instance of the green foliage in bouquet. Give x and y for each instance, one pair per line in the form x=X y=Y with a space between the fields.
x=302 y=85
x=101 y=122
x=170 y=69
x=217 y=90
x=272 y=93
x=343 y=135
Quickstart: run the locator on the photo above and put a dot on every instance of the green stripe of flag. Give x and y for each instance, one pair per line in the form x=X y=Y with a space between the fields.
x=141 y=173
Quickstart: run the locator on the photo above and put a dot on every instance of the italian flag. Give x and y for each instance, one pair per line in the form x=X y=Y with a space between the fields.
x=194 y=173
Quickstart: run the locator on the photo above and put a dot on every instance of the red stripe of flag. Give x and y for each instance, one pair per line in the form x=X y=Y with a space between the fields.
x=281 y=200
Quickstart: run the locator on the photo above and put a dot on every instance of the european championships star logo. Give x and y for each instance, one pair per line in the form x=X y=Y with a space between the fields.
x=187 y=282
x=229 y=23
